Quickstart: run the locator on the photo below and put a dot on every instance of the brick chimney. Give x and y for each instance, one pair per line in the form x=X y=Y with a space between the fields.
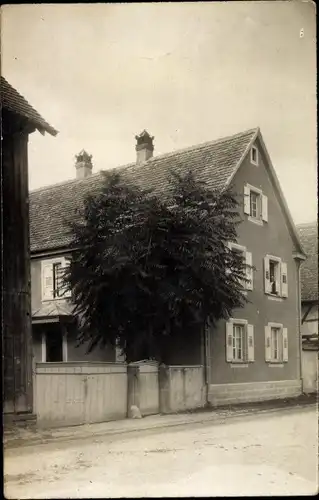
x=83 y=165
x=144 y=147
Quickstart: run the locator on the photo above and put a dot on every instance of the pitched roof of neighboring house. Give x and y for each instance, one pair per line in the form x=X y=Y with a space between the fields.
x=215 y=162
x=16 y=103
x=308 y=234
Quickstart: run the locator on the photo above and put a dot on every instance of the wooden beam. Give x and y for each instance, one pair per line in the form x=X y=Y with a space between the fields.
x=306 y=314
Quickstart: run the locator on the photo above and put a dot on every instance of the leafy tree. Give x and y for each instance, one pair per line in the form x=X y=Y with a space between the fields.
x=145 y=270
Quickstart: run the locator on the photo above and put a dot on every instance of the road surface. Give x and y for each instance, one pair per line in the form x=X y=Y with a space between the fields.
x=262 y=454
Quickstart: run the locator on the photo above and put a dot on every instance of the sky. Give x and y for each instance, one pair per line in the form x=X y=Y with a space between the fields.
x=186 y=72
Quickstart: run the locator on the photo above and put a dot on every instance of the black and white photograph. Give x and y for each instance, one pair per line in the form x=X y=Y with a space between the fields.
x=159 y=236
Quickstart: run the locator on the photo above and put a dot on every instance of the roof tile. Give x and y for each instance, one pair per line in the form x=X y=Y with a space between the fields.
x=308 y=234
x=213 y=162
x=16 y=103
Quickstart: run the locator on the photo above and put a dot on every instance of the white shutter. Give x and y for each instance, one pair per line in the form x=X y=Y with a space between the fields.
x=284 y=280
x=47 y=280
x=267 y=343
x=229 y=341
x=246 y=200
x=267 y=283
x=250 y=343
x=264 y=208
x=285 y=344
x=119 y=357
x=65 y=265
x=249 y=271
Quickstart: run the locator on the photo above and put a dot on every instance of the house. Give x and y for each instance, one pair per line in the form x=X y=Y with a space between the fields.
x=256 y=354
x=18 y=121
x=308 y=234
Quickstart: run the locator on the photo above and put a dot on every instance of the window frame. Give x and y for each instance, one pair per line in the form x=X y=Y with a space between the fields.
x=252 y=150
x=243 y=340
x=63 y=260
x=64 y=347
x=279 y=327
x=262 y=204
x=249 y=274
x=282 y=277
x=244 y=324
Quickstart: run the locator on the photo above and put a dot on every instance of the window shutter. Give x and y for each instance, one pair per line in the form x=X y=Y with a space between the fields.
x=119 y=357
x=250 y=343
x=65 y=265
x=267 y=275
x=229 y=341
x=249 y=271
x=47 y=281
x=246 y=200
x=284 y=280
x=264 y=208
x=267 y=344
x=285 y=344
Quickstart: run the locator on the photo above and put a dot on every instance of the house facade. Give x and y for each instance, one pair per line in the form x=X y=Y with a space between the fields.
x=253 y=355
x=308 y=234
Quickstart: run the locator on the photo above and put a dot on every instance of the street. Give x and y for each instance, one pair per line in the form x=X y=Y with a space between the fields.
x=262 y=454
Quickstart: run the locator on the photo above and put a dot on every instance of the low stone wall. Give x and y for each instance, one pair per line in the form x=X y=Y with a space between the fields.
x=223 y=394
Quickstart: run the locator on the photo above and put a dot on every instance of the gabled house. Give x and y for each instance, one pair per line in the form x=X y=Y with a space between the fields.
x=308 y=234
x=18 y=120
x=256 y=354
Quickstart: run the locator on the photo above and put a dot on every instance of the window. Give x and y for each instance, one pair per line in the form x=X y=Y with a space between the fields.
x=275 y=336
x=54 y=344
x=58 y=279
x=254 y=155
x=255 y=204
x=52 y=285
x=276 y=343
x=276 y=281
x=247 y=257
x=239 y=341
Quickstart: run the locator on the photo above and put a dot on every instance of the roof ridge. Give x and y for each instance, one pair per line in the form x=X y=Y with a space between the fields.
x=203 y=144
x=150 y=160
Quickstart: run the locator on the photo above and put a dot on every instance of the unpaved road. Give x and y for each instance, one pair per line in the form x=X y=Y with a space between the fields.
x=266 y=454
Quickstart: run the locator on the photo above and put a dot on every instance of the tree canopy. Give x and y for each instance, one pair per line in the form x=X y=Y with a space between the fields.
x=147 y=269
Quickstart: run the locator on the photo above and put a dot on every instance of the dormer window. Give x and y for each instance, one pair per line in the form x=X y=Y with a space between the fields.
x=254 y=155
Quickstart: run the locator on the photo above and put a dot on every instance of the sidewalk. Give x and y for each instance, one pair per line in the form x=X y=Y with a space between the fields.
x=31 y=436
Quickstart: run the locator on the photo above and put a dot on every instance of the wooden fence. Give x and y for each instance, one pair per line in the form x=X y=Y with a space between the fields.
x=76 y=393
x=80 y=393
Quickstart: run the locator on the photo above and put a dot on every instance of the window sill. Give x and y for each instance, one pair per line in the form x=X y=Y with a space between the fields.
x=276 y=364
x=238 y=364
x=275 y=298
x=256 y=221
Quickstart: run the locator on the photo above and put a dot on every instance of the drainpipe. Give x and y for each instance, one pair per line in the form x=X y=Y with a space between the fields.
x=205 y=343
x=299 y=325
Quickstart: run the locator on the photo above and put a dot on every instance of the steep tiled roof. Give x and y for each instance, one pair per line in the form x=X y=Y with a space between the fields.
x=308 y=234
x=16 y=103
x=214 y=162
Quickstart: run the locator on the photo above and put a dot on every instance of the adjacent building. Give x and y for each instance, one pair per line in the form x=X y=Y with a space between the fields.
x=257 y=353
x=18 y=121
x=308 y=234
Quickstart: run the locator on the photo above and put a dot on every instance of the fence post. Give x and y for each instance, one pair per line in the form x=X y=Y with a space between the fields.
x=164 y=389
x=133 y=388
